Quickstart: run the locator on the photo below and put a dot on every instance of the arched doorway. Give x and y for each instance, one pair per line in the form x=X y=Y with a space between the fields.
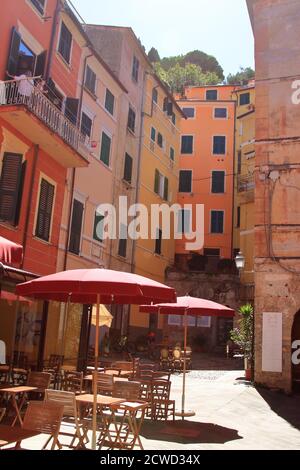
x=296 y=354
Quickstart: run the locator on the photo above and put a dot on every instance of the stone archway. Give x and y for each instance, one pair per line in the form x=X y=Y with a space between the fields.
x=296 y=353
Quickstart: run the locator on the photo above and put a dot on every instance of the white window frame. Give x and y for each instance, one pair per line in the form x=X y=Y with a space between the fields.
x=211 y=186
x=212 y=149
x=211 y=89
x=220 y=118
x=187 y=154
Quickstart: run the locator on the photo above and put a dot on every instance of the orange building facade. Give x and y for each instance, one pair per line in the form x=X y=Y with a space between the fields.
x=206 y=170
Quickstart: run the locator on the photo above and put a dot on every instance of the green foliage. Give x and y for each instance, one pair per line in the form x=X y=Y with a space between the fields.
x=242 y=77
x=153 y=55
x=177 y=77
x=242 y=335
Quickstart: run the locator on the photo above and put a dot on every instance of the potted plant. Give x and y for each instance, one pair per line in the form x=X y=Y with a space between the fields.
x=242 y=335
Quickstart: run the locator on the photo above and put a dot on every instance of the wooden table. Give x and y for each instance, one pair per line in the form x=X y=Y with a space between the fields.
x=12 y=392
x=8 y=434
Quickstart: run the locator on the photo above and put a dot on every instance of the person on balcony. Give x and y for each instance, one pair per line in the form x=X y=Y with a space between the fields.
x=25 y=85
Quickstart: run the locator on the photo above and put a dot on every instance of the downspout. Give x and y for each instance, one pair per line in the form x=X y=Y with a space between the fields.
x=52 y=38
x=29 y=204
x=234 y=176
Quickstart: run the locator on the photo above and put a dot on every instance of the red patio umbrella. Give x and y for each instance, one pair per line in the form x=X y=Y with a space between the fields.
x=189 y=306
x=95 y=286
x=10 y=252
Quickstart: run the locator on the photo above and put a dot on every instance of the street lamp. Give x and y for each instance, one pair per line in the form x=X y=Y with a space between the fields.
x=240 y=261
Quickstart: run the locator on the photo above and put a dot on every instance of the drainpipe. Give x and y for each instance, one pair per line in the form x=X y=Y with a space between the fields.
x=52 y=38
x=29 y=204
x=234 y=176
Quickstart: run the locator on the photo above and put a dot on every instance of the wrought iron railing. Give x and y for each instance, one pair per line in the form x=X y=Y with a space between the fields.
x=25 y=92
x=245 y=183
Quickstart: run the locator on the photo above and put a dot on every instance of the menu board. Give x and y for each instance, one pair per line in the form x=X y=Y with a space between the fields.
x=272 y=342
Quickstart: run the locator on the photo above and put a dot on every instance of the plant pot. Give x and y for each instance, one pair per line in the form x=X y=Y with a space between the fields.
x=248 y=368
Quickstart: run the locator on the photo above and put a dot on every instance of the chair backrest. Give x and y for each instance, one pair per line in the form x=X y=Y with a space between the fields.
x=40 y=380
x=72 y=381
x=44 y=417
x=148 y=366
x=176 y=353
x=123 y=365
x=160 y=389
x=105 y=384
x=66 y=399
x=164 y=353
x=161 y=375
x=55 y=361
x=128 y=390
x=146 y=374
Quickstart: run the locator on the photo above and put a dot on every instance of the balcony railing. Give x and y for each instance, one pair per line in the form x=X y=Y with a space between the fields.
x=16 y=92
x=245 y=183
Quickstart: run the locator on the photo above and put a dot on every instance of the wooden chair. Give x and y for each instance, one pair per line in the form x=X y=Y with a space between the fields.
x=4 y=375
x=40 y=380
x=72 y=382
x=19 y=376
x=45 y=418
x=128 y=390
x=126 y=367
x=164 y=360
x=105 y=384
x=68 y=401
x=53 y=366
x=176 y=361
x=161 y=405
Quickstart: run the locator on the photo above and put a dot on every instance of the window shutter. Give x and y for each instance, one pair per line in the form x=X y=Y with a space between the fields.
x=71 y=110
x=105 y=149
x=86 y=125
x=98 y=220
x=40 y=64
x=156 y=182
x=13 y=57
x=76 y=226
x=166 y=189
x=45 y=210
x=170 y=108
x=20 y=193
x=10 y=186
x=128 y=168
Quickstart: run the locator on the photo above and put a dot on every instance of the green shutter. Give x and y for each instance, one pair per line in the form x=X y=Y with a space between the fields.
x=76 y=226
x=45 y=210
x=166 y=189
x=105 y=149
x=10 y=186
x=156 y=182
x=128 y=168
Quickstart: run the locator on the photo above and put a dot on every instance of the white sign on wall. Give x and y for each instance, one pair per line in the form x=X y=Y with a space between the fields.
x=272 y=342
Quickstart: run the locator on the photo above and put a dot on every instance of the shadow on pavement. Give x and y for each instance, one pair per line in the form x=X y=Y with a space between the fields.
x=188 y=432
x=287 y=407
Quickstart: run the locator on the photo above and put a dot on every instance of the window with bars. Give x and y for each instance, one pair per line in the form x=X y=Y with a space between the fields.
x=65 y=42
x=39 y=5
x=76 y=227
x=187 y=144
x=185 y=181
x=11 y=187
x=131 y=120
x=218 y=182
x=86 y=125
x=128 y=168
x=98 y=232
x=219 y=145
x=158 y=241
x=109 y=102
x=135 y=69
x=90 y=80
x=217 y=222
x=45 y=208
x=105 y=149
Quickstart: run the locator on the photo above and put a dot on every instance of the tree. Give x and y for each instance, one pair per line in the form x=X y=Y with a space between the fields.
x=153 y=55
x=178 y=77
x=206 y=62
x=243 y=334
x=242 y=77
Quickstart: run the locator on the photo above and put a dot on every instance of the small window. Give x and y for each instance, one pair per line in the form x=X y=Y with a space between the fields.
x=161 y=185
x=189 y=112
x=153 y=134
x=122 y=249
x=158 y=242
x=90 y=80
x=98 y=233
x=239 y=162
x=65 y=43
x=174 y=119
x=86 y=125
x=217 y=222
x=131 y=120
x=105 y=149
x=45 y=207
x=220 y=113
x=211 y=252
x=185 y=181
x=76 y=227
x=218 y=182
x=160 y=140
x=238 y=217
x=244 y=99
x=184 y=221
x=128 y=168
x=219 y=145
x=187 y=143
x=155 y=95
x=109 y=102
x=39 y=5
x=211 y=95
x=135 y=69
x=172 y=154
x=165 y=104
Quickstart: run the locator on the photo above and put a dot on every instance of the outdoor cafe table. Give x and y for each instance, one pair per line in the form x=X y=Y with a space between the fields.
x=13 y=392
x=8 y=434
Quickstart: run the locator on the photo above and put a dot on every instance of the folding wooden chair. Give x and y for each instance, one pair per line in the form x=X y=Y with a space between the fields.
x=72 y=382
x=105 y=384
x=161 y=405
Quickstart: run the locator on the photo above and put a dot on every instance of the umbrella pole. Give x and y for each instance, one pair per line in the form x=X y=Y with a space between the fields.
x=95 y=381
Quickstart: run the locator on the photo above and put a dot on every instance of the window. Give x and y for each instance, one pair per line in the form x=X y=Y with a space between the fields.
x=90 y=80
x=174 y=119
x=109 y=102
x=158 y=241
x=189 y=112
x=71 y=109
x=154 y=95
x=135 y=69
x=218 y=182
x=65 y=43
x=187 y=144
x=153 y=134
x=217 y=222
x=204 y=322
x=211 y=252
x=238 y=216
x=105 y=148
x=86 y=125
x=98 y=233
x=244 y=99
x=165 y=104
x=219 y=145
x=45 y=206
x=11 y=187
x=128 y=168
x=122 y=249
x=220 y=113
x=211 y=95
x=160 y=140
x=172 y=154
x=184 y=221
x=239 y=162
x=76 y=226
x=185 y=181
x=131 y=120
x=161 y=185
x=39 y=5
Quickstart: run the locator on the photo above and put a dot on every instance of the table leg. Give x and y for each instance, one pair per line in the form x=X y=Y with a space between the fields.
x=17 y=410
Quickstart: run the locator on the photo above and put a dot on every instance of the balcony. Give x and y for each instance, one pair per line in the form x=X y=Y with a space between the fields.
x=245 y=187
x=30 y=111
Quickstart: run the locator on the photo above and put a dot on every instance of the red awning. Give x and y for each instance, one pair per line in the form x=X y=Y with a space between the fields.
x=11 y=297
x=10 y=252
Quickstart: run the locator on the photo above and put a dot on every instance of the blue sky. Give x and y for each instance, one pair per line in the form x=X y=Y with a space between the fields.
x=218 y=27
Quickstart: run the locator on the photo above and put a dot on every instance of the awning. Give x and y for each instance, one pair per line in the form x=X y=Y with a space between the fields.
x=10 y=252
x=105 y=316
